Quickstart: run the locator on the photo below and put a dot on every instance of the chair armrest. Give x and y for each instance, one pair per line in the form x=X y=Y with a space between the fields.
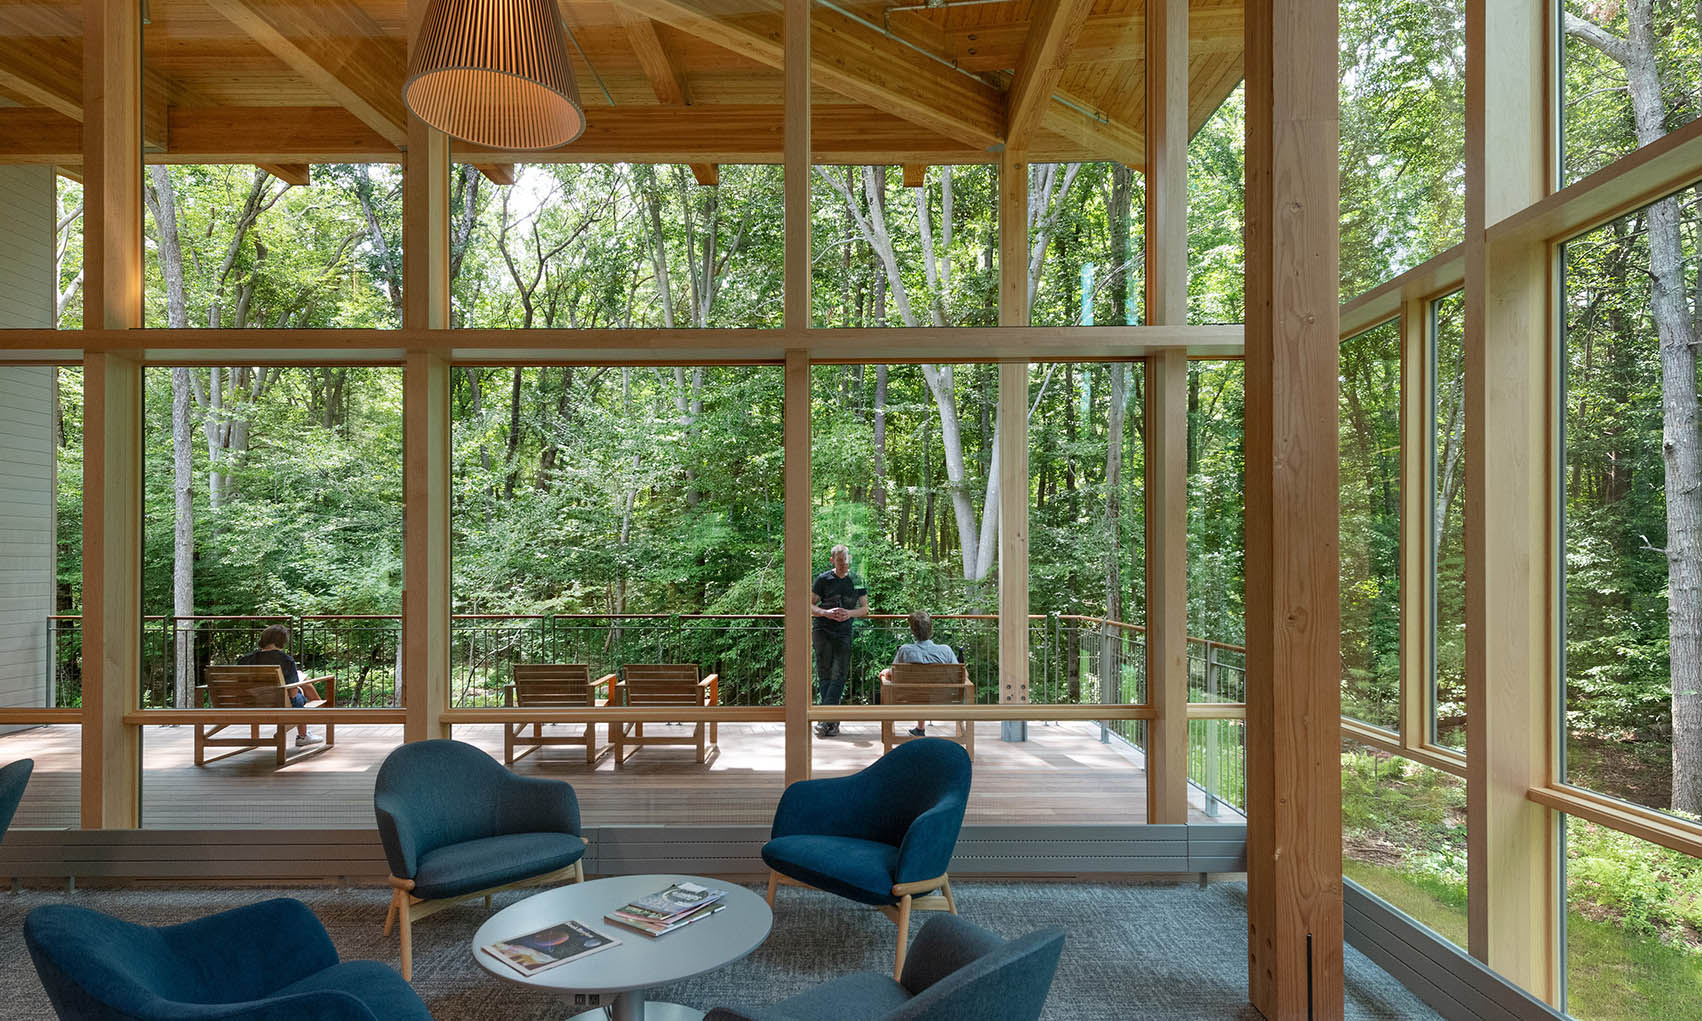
x=606 y=679
x=397 y=833
x=945 y=944
x=927 y=847
x=256 y=949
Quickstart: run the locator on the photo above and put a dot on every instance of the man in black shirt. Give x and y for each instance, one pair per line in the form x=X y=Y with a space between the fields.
x=836 y=599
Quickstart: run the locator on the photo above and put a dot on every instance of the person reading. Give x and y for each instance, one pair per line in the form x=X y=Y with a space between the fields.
x=273 y=641
x=923 y=650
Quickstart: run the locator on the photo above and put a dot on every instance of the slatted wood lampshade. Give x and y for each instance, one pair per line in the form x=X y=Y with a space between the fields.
x=495 y=73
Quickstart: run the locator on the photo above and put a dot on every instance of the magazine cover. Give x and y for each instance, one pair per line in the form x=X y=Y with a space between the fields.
x=676 y=900
x=546 y=948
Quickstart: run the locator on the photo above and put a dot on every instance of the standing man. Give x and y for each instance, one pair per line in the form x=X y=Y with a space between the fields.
x=836 y=599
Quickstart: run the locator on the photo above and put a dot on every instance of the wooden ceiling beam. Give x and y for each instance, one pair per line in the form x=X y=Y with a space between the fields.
x=850 y=58
x=298 y=174
x=497 y=173
x=664 y=76
x=1105 y=38
x=47 y=71
x=841 y=133
x=339 y=48
x=1050 y=37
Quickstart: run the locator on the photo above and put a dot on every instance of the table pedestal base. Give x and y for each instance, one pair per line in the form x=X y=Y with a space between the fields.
x=631 y=1006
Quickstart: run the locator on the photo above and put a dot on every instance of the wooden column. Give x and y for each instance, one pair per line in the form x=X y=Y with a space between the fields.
x=1417 y=521
x=797 y=555
x=1512 y=844
x=426 y=432
x=1294 y=885
x=112 y=395
x=1167 y=584
x=797 y=559
x=1167 y=411
x=1012 y=443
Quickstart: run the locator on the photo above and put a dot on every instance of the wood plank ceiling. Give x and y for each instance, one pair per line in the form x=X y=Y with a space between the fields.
x=287 y=83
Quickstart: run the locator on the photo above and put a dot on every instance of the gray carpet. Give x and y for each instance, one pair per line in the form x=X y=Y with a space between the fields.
x=1161 y=951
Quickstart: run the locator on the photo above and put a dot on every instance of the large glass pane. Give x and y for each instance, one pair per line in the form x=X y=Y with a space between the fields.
x=41 y=489
x=569 y=246
x=272 y=534
x=234 y=246
x=68 y=253
x=1086 y=266
x=1371 y=526
x=1404 y=836
x=1633 y=910
x=1403 y=152
x=1628 y=77
x=1447 y=525
x=1633 y=520
x=887 y=255
x=610 y=517
x=1217 y=577
x=1217 y=214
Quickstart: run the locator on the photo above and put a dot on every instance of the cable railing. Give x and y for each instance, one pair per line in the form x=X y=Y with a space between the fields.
x=1073 y=660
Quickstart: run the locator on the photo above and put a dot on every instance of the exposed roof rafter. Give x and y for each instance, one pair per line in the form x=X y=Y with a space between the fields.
x=1056 y=25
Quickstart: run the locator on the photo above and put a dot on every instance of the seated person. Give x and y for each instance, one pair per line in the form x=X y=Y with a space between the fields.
x=923 y=650
x=273 y=641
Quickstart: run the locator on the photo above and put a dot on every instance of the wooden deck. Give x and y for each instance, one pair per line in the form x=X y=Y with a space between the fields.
x=1062 y=774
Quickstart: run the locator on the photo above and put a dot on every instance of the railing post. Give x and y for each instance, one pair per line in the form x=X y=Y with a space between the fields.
x=1213 y=778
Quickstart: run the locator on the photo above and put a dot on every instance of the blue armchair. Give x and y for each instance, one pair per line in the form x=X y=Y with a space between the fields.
x=14 y=777
x=457 y=824
x=882 y=837
x=957 y=972
x=266 y=962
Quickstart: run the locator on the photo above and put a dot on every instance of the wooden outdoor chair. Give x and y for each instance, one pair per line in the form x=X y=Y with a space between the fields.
x=258 y=686
x=927 y=684
x=553 y=686
x=663 y=684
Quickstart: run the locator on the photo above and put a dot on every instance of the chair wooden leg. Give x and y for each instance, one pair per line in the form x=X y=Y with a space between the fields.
x=508 y=744
x=903 y=937
x=701 y=753
x=590 y=744
x=200 y=745
x=487 y=902
x=951 y=902
x=283 y=744
x=390 y=916
x=407 y=943
x=579 y=871
x=773 y=881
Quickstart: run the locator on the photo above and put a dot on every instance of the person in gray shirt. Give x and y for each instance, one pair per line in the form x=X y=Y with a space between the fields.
x=923 y=650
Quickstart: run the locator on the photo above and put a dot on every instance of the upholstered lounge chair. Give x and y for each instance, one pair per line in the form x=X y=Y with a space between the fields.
x=956 y=972
x=14 y=777
x=456 y=824
x=883 y=836
x=270 y=961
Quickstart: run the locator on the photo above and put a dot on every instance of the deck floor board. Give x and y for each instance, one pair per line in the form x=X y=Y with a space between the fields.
x=1063 y=774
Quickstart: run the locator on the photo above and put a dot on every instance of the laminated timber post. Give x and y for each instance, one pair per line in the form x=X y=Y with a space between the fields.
x=1294 y=878
x=1011 y=442
x=425 y=425
x=1167 y=411
x=797 y=555
x=1512 y=842
x=112 y=484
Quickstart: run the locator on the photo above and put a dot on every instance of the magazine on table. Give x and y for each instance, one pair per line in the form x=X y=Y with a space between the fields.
x=557 y=944
x=668 y=909
x=654 y=927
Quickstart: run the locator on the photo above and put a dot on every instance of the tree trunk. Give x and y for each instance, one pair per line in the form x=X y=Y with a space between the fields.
x=880 y=436
x=1681 y=441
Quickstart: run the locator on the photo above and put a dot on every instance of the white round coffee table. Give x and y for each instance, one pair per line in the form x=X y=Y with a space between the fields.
x=640 y=961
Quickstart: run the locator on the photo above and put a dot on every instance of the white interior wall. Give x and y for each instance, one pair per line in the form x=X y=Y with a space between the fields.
x=27 y=295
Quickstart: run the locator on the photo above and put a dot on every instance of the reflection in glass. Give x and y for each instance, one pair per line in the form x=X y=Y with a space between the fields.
x=1447 y=524
x=1404 y=836
x=1371 y=526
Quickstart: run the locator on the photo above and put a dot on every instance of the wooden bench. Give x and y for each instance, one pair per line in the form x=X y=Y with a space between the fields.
x=663 y=684
x=258 y=686
x=555 y=686
x=927 y=684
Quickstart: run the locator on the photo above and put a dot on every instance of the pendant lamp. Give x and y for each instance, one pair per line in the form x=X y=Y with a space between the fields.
x=495 y=73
